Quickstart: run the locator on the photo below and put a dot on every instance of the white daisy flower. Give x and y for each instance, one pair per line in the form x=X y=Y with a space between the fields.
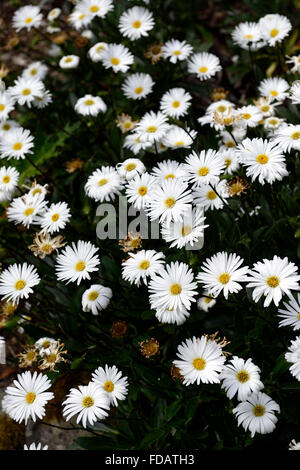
x=6 y=105
x=200 y=360
x=175 y=102
x=152 y=127
x=69 y=61
x=139 y=190
x=117 y=57
x=79 y=18
x=133 y=143
x=97 y=7
x=274 y=28
x=16 y=143
x=55 y=217
x=88 y=401
x=291 y=314
x=28 y=397
x=206 y=302
x=272 y=124
x=208 y=197
x=173 y=287
x=248 y=36
x=293 y=445
x=137 y=86
x=16 y=282
x=42 y=101
x=229 y=141
x=257 y=413
x=76 y=262
x=103 y=184
x=223 y=273
x=95 y=52
x=272 y=279
x=7 y=126
x=263 y=159
x=138 y=266
x=172 y=315
x=130 y=168
x=288 y=137
x=230 y=159
x=36 y=69
x=5 y=195
x=111 y=381
x=26 y=210
x=169 y=169
x=222 y=108
x=177 y=138
x=25 y=90
x=9 y=178
x=275 y=88
x=96 y=298
x=38 y=190
x=90 y=105
x=250 y=116
x=44 y=345
x=295 y=60
x=293 y=357
x=204 y=168
x=87 y=33
x=266 y=106
x=241 y=378
x=27 y=17
x=35 y=446
x=188 y=232
x=170 y=201
x=136 y=22
x=175 y=50
x=295 y=92
x=204 y=65
x=53 y=14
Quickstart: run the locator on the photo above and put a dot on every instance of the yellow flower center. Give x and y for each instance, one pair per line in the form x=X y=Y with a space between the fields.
x=230 y=144
x=274 y=92
x=203 y=171
x=144 y=264
x=170 y=176
x=170 y=202
x=179 y=144
x=224 y=278
x=176 y=104
x=186 y=230
x=137 y=24
x=199 y=363
x=26 y=91
x=152 y=129
x=115 y=61
x=273 y=122
x=249 y=36
x=28 y=20
x=33 y=71
x=108 y=386
x=211 y=195
x=130 y=167
x=68 y=60
x=227 y=162
x=28 y=211
x=30 y=397
x=88 y=401
x=6 y=179
x=207 y=300
x=20 y=284
x=142 y=190
x=175 y=289
x=221 y=108
x=246 y=116
x=274 y=32
x=46 y=344
x=273 y=281
x=243 y=376
x=2 y=107
x=100 y=48
x=55 y=217
x=89 y=102
x=258 y=410
x=203 y=69
x=17 y=146
x=93 y=295
x=177 y=52
x=139 y=90
x=265 y=108
x=6 y=127
x=295 y=135
x=102 y=182
x=80 y=266
x=46 y=248
x=81 y=16
x=94 y=9
x=30 y=356
x=262 y=159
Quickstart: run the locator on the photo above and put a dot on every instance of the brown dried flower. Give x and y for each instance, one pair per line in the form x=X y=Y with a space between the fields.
x=131 y=242
x=149 y=347
x=118 y=329
x=154 y=52
x=44 y=245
